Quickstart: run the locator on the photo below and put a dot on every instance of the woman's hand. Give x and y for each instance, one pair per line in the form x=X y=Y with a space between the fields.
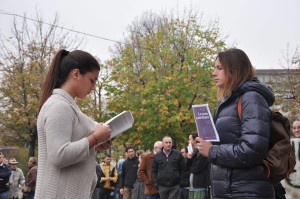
x=203 y=146
x=102 y=132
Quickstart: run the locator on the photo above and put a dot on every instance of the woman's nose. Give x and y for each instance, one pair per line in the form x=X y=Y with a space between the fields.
x=214 y=72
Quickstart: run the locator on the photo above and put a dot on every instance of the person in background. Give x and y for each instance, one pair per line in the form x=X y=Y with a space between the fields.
x=237 y=169
x=199 y=169
x=31 y=177
x=184 y=182
x=129 y=173
x=5 y=173
x=107 y=178
x=184 y=152
x=16 y=180
x=296 y=128
x=67 y=138
x=145 y=171
x=139 y=188
x=119 y=169
x=292 y=183
x=167 y=168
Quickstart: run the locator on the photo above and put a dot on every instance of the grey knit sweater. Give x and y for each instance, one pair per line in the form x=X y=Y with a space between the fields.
x=66 y=165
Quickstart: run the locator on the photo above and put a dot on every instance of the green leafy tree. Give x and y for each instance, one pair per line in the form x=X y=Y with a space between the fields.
x=24 y=58
x=163 y=67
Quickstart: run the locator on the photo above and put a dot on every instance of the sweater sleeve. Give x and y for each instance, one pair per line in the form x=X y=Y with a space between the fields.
x=59 y=129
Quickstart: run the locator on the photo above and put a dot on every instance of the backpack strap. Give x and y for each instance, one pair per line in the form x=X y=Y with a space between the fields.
x=239 y=107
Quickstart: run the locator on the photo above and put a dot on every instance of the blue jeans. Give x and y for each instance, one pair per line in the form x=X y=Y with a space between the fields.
x=106 y=193
x=30 y=195
x=117 y=194
x=4 y=195
x=156 y=196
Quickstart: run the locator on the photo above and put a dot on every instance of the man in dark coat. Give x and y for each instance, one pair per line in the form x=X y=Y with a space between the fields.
x=5 y=172
x=129 y=173
x=167 y=168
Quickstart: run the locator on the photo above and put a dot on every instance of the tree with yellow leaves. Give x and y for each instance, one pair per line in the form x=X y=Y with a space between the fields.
x=163 y=67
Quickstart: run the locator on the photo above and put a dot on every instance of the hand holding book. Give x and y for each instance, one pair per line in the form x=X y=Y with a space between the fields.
x=120 y=123
x=204 y=123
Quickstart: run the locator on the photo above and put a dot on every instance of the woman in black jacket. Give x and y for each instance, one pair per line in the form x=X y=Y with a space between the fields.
x=199 y=169
x=236 y=161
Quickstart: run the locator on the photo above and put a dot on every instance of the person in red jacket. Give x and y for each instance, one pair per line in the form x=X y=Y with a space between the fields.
x=145 y=172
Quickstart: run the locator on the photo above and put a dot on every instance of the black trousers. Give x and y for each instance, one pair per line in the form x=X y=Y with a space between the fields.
x=106 y=193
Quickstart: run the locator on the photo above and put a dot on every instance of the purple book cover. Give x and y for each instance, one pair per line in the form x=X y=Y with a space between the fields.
x=205 y=124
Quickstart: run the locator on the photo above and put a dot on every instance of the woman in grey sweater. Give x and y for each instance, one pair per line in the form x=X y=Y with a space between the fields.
x=67 y=137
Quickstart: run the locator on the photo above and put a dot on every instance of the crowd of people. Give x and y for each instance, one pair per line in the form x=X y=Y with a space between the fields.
x=68 y=141
x=13 y=183
x=163 y=172
x=184 y=174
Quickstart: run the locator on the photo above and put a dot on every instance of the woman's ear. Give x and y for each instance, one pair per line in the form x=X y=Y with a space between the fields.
x=75 y=73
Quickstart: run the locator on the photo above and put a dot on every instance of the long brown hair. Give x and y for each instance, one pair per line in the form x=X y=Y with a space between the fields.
x=61 y=66
x=237 y=69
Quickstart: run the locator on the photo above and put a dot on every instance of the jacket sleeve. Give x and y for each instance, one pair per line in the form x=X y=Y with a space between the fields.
x=122 y=175
x=22 y=178
x=182 y=167
x=31 y=177
x=182 y=163
x=6 y=172
x=99 y=172
x=252 y=145
x=201 y=163
x=115 y=175
x=155 y=172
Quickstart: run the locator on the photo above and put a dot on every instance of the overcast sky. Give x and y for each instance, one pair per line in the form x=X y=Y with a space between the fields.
x=262 y=28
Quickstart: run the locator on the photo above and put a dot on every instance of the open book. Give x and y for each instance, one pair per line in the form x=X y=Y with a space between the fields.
x=205 y=124
x=120 y=123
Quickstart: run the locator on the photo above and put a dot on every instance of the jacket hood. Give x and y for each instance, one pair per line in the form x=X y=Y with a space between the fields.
x=261 y=88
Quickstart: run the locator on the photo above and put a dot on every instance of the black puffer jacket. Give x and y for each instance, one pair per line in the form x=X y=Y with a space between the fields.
x=237 y=170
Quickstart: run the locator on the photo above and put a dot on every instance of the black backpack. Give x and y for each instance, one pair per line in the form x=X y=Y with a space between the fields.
x=280 y=160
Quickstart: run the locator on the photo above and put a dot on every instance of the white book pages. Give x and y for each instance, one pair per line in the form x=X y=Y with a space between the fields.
x=120 y=123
